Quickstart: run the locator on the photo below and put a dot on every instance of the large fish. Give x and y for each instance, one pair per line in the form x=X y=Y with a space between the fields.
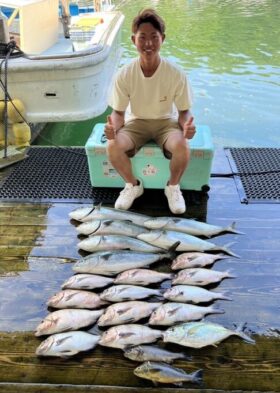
x=67 y=319
x=164 y=373
x=141 y=277
x=199 y=276
x=75 y=298
x=171 y=313
x=120 y=293
x=185 y=225
x=166 y=239
x=201 y=334
x=116 y=242
x=99 y=212
x=126 y=312
x=192 y=294
x=195 y=259
x=124 y=336
x=110 y=263
x=143 y=353
x=87 y=281
x=67 y=344
x=110 y=227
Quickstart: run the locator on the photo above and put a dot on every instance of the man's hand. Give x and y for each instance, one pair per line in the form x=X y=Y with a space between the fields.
x=109 y=129
x=189 y=128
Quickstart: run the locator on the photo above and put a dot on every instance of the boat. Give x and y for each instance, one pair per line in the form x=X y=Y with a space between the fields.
x=59 y=65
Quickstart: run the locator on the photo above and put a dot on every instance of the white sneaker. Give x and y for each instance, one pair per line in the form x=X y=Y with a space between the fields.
x=128 y=195
x=175 y=199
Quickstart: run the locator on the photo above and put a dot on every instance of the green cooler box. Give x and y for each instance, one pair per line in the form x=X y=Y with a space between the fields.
x=149 y=164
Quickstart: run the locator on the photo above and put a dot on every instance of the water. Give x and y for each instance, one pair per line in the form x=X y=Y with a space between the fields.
x=230 y=51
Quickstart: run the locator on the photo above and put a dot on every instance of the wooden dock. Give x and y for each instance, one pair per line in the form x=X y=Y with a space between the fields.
x=38 y=245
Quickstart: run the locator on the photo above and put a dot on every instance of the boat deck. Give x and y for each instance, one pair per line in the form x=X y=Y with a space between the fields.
x=38 y=244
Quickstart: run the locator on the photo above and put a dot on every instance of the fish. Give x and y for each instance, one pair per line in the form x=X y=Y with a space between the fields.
x=143 y=353
x=189 y=226
x=116 y=242
x=67 y=319
x=164 y=373
x=124 y=336
x=171 y=313
x=67 y=344
x=87 y=281
x=120 y=293
x=200 y=276
x=142 y=277
x=110 y=263
x=201 y=334
x=126 y=312
x=166 y=239
x=99 y=212
x=195 y=259
x=75 y=298
x=110 y=227
x=192 y=294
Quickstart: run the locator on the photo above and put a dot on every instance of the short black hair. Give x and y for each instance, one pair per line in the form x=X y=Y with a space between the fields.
x=148 y=15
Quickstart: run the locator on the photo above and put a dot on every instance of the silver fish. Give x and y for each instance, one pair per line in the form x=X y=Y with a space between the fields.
x=123 y=336
x=171 y=313
x=191 y=227
x=201 y=334
x=67 y=319
x=166 y=239
x=141 y=277
x=192 y=294
x=110 y=263
x=200 y=276
x=143 y=353
x=195 y=259
x=126 y=312
x=164 y=373
x=99 y=212
x=75 y=298
x=116 y=242
x=110 y=227
x=67 y=344
x=87 y=281
x=120 y=293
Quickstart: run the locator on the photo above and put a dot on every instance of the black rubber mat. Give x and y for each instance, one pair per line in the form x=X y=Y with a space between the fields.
x=256 y=173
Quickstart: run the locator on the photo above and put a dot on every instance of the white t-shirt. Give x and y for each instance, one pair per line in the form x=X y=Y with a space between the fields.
x=151 y=97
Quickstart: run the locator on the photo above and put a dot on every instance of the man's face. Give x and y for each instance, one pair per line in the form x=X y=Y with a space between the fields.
x=148 y=40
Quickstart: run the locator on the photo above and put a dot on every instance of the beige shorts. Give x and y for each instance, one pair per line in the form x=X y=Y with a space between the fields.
x=140 y=131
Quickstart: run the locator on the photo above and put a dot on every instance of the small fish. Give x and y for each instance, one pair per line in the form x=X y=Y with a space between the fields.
x=141 y=277
x=164 y=373
x=192 y=294
x=166 y=239
x=171 y=313
x=110 y=263
x=191 y=227
x=120 y=293
x=201 y=334
x=67 y=319
x=67 y=344
x=110 y=227
x=126 y=312
x=195 y=259
x=99 y=212
x=75 y=298
x=87 y=281
x=116 y=242
x=143 y=353
x=124 y=336
x=200 y=277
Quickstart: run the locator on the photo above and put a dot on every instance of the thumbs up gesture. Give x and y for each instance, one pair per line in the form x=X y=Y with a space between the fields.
x=189 y=128
x=109 y=129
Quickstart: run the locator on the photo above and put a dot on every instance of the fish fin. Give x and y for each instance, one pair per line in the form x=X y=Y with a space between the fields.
x=197 y=376
x=174 y=246
x=179 y=384
x=58 y=342
x=231 y=229
x=107 y=223
x=125 y=335
x=93 y=208
x=172 y=312
x=129 y=320
x=70 y=296
x=107 y=256
x=123 y=311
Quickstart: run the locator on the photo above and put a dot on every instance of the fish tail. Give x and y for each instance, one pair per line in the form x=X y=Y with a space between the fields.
x=217 y=310
x=231 y=229
x=226 y=249
x=229 y=274
x=197 y=376
x=225 y=296
x=239 y=332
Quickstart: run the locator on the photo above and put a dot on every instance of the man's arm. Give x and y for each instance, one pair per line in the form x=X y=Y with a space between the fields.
x=114 y=122
x=185 y=120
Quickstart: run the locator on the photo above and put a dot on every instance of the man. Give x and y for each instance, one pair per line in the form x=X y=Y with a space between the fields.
x=150 y=86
